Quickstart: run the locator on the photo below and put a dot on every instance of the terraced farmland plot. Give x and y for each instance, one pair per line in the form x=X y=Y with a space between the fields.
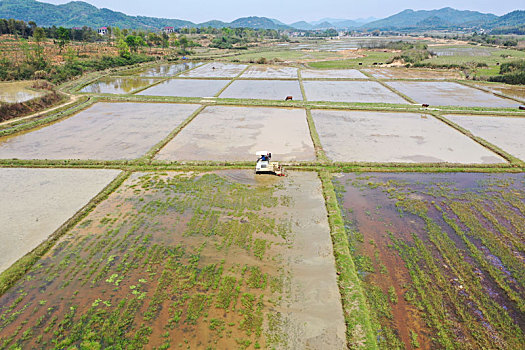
x=167 y=70
x=186 y=88
x=114 y=85
x=411 y=73
x=395 y=137
x=261 y=71
x=216 y=70
x=449 y=94
x=196 y=260
x=440 y=256
x=350 y=91
x=237 y=133
x=17 y=92
x=104 y=131
x=35 y=202
x=263 y=90
x=506 y=133
x=332 y=73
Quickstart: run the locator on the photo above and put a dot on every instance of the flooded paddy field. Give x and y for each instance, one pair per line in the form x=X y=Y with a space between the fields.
x=216 y=70
x=440 y=257
x=505 y=132
x=449 y=94
x=117 y=85
x=167 y=70
x=237 y=133
x=186 y=88
x=350 y=91
x=221 y=260
x=516 y=91
x=35 y=202
x=104 y=131
x=332 y=74
x=263 y=89
x=18 y=92
x=395 y=137
x=406 y=73
x=261 y=71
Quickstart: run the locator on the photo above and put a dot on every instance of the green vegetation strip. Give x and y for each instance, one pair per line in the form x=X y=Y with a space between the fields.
x=50 y=117
x=144 y=164
x=10 y=276
x=319 y=151
x=359 y=329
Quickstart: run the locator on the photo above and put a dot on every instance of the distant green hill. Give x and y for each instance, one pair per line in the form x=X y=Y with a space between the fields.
x=78 y=14
x=416 y=19
x=256 y=23
x=511 y=19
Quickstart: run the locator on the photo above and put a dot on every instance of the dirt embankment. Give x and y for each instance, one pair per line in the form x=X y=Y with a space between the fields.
x=18 y=109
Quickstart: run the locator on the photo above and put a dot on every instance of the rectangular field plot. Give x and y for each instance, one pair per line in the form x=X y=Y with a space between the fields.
x=35 y=202
x=263 y=90
x=114 y=85
x=449 y=94
x=104 y=131
x=350 y=91
x=506 y=133
x=167 y=70
x=237 y=133
x=208 y=260
x=270 y=72
x=18 y=92
x=216 y=70
x=411 y=73
x=186 y=88
x=332 y=74
x=395 y=138
x=440 y=256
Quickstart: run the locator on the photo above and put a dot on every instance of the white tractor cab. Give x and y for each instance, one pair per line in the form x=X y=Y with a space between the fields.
x=265 y=166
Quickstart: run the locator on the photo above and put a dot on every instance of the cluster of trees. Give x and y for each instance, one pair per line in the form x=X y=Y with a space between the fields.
x=239 y=38
x=492 y=40
x=511 y=73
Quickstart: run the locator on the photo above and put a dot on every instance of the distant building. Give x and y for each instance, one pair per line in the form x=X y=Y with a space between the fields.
x=169 y=30
x=76 y=28
x=103 y=31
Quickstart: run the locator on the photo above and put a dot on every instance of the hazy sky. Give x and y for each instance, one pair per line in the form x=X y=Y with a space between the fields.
x=291 y=10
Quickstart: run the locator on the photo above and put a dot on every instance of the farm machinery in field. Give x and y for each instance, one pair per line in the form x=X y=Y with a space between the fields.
x=266 y=166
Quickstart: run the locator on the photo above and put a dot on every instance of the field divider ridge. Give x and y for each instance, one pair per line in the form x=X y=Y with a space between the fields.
x=318 y=147
x=156 y=149
x=359 y=330
x=231 y=81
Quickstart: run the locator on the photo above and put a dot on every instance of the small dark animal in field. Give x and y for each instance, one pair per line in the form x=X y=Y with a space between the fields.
x=288 y=98
x=212 y=67
x=425 y=105
x=360 y=63
x=522 y=108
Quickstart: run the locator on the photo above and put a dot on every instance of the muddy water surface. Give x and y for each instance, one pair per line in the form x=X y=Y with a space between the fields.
x=188 y=260
x=103 y=131
x=449 y=94
x=395 y=137
x=270 y=72
x=332 y=73
x=350 y=91
x=216 y=70
x=517 y=91
x=186 y=88
x=35 y=202
x=17 y=92
x=506 y=133
x=113 y=85
x=237 y=133
x=421 y=247
x=406 y=73
x=263 y=89
x=168 y=70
